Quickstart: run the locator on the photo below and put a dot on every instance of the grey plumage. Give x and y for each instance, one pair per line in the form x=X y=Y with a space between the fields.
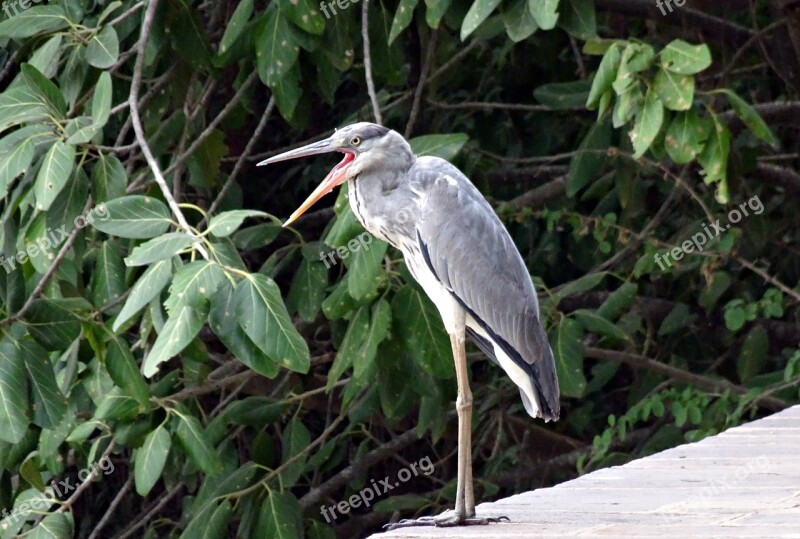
x=461 y=254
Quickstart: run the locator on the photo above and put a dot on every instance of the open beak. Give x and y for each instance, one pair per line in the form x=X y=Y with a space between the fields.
x=335 y=177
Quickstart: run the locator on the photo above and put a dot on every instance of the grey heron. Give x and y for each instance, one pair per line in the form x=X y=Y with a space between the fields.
x=458 y=250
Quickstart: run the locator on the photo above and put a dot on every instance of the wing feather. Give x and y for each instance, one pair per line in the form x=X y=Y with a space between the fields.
x=469 y=250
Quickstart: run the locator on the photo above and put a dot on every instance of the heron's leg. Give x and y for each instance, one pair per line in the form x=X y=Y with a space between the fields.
x=465 y=498
x=464 y=514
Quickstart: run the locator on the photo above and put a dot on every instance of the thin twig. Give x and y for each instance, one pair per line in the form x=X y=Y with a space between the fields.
x=698 y=380
x=376 y=109
x=767 y=277
x=112 y=507
x=370 y=459
x=126 y=14
x=426 y=67
x=133 y=98
x=86 y=482
x=489 y=106
x=242 y=158
x=141 y=520
x=229 y=106
x=62 y=253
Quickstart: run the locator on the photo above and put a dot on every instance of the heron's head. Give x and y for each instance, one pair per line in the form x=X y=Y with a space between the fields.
x=364 y=145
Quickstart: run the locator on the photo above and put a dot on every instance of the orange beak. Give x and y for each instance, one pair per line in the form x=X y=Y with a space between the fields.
x=335 y=177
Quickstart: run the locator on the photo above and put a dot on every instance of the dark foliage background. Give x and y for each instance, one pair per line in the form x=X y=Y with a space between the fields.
x=241 y=384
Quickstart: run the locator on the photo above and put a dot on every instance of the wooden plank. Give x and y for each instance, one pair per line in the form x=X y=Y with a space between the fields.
x=744 y=482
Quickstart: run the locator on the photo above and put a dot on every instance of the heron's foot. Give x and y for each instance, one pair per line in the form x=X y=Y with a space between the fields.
x=448 y=519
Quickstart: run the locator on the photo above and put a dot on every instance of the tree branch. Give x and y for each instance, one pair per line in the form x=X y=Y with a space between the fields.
x=376 y=109
x=136 y=120
x=698 y=380
x=716 y=28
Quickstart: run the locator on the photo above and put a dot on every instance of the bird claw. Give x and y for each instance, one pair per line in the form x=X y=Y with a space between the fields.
x=445 y=521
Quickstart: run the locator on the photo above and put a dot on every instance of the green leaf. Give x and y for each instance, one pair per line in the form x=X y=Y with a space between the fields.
x=294 y=440
x=109 y=179
x=45 y=90
x=135 y=216
x=648 y=123
x=194 y=442
x=149 y=460
x=714 y=157
x=675 y=91
x=366 y=268
x=116 y=406
x=308 y=289
x=287 y=92
x=179 y=330
x=304 y=14
x=518 y=20
x=379 y=327
x=587 y=163
x=564 y=95
x=605 y=76
x=357 y=331
x=444 y=146
x=568 y=351
x=751 y=119
x=222 y=320
x=101 y=100
x=545 y=12
x=53 y=526
x=160 y=248
x=402 y=18
x=80 y=130
x=276 y=49
x=421 y=328
x=618 y=301
x=435 y=10
x=34 y=20
x=108 y=279
x=49 y=404
x=578 y=18
x=122 y=368
x=53 y=175
x=595 y=323
x=152 y=281
x=686 y=137
x=53 y=322
x=753 y=355
x=13 y=391
x=235 y=26
x=20 y=105
x=581 y=284
x=226 y=223
x=479 y=12
x=16 y=155
x=681 y=57
x=262 y=315
x=280 y=517
x=194 y=284
x=103 y=49
x=678 y=318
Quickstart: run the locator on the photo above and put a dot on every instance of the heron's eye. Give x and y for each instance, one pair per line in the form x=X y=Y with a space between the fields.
x=355 y=141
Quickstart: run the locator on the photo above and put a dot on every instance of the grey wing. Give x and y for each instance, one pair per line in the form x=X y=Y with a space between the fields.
x=469 y=250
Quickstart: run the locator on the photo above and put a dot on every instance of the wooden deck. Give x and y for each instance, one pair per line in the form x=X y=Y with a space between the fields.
x=744 y=482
